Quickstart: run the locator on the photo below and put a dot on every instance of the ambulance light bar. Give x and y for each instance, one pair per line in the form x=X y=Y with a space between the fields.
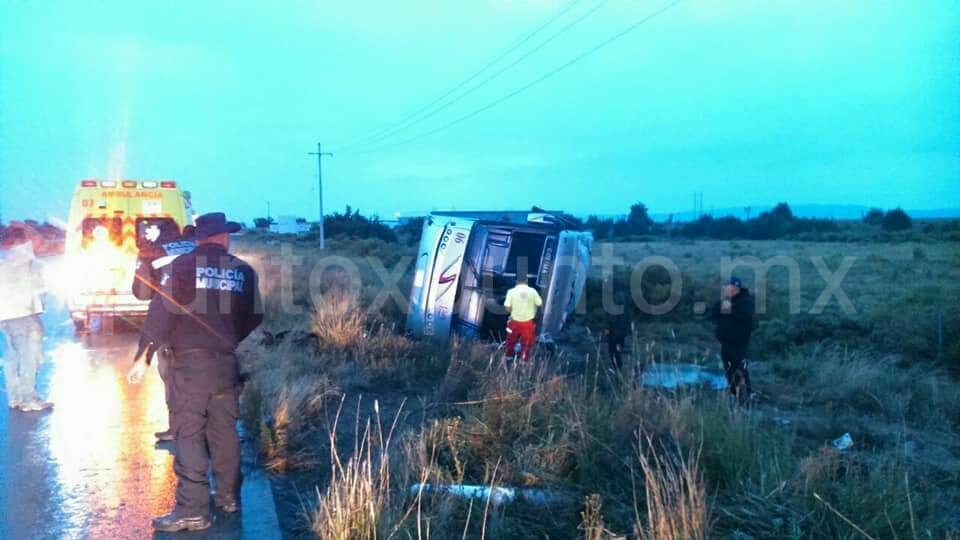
x=151 y=185
x=108 y=183
x=167 y=184
x=88 y=183
x=129 y=184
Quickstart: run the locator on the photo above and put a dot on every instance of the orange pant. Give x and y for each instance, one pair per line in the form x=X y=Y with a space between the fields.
x=525 y=333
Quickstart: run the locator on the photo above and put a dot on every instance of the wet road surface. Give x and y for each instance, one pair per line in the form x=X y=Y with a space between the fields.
x=90 y=468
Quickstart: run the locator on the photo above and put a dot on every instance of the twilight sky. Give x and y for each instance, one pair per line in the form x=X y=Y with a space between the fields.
x=747 y=101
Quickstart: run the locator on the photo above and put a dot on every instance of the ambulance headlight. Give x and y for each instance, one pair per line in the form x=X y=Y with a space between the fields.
x=100 y=233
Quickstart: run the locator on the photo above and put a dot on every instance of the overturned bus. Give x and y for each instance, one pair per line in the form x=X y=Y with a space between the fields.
x=467 y=261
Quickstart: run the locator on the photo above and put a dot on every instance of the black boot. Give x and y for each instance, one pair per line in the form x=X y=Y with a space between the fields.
x=174 y=523
x=229 y=506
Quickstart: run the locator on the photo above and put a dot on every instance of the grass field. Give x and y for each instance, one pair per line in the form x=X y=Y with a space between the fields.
x=351 y=414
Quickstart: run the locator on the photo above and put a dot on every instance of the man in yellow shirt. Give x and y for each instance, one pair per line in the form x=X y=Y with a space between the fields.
x=522 y=302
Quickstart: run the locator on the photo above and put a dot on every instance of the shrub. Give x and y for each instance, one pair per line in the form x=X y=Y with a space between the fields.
x=410 y=231
x=875 y=500
x=352 y=224
x=601 y=228
x=873 y=217
x=773 y=224
x=339 y=322
x=676 y=497
x=638 y=221
x=282 y=402
x=896 y=220
x=357 y=501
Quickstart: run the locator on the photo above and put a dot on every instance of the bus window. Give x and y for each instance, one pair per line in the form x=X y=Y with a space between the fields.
x=495 y=255
x=530 y=247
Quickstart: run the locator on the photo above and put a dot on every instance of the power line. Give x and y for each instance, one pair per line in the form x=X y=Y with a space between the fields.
x=515 y=46
x=531 y=84
x=482 y=83
x=461 y=84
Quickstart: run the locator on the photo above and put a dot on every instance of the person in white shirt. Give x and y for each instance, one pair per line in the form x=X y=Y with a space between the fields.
x=21 y=284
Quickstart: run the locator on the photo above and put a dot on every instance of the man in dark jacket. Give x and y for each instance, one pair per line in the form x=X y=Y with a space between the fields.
x=210 y=303
x=734 y=318
x=157 y=255
x=152 y=268
x=618 y=327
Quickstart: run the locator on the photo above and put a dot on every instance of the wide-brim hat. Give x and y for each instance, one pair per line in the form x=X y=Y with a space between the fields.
x=213 y=224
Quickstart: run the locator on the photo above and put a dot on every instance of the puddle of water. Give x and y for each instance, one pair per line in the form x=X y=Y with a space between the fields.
x=675 y=375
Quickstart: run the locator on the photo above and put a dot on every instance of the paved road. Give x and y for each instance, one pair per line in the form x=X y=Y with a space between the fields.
x=89 y=468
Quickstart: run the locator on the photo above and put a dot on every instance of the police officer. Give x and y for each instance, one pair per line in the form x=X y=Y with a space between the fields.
x=210 y=304
x=734 y=320
x=153 y=267
x=156 y=255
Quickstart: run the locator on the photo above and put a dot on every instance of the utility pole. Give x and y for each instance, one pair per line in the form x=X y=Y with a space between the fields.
x=320 y=153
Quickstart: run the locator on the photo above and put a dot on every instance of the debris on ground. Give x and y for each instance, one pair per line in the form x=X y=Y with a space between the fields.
x=844 y=443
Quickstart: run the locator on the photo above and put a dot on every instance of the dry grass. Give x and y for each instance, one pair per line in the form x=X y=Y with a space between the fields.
x=339 y=322
x=677 y=507
x=283 y=402
x=291 y=411
x=357 y=499
x=730 y=472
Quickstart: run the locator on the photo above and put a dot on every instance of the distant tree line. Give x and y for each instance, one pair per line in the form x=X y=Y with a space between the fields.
x=892 y=220
x=51 y=237
x=636 y=223
x=777 y=223
x=780 y=222
x=771 y=225
x=352 y=224
x=347 y=224
x=46 y=230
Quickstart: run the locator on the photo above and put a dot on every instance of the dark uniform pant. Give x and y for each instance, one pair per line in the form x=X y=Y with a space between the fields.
x=205 y=408
x=735 y=366
x=615 y=345
x=165 y=368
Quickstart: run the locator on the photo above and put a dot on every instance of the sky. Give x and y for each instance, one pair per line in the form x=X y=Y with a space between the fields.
x=749 y=102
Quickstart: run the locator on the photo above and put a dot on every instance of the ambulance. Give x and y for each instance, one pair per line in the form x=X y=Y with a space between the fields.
x=108 y=224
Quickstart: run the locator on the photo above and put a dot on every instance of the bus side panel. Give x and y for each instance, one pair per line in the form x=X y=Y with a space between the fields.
x=567 y=282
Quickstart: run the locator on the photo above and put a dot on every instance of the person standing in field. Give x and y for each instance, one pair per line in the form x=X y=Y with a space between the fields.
x=521 y=303
x=618 y=327
x=21 y=284
x=734 y=319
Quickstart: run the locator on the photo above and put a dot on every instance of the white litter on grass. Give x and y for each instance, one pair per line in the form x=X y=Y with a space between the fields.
x=674 y=375
x=497 y=495
x=845 y=442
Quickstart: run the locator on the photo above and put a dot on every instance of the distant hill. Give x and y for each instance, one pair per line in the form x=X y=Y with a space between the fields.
x=828 y=211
